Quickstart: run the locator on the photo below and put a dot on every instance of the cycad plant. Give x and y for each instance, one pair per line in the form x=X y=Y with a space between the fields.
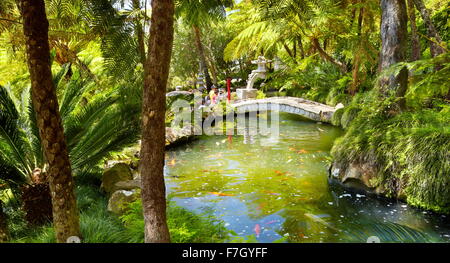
x=94 y=127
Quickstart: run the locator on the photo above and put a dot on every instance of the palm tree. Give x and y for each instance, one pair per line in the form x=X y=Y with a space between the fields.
x=198 y=14
x=153 y=121
x=51 y=132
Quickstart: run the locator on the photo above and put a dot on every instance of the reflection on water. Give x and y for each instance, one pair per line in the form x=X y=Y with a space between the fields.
x=280 y=190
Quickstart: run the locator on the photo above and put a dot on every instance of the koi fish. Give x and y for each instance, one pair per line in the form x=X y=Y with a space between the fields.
x=257 y=230
x=221 y=194
x=302 y=151
x=261 y=206
x=270 y=222
x=171 y=162
x=279 y=172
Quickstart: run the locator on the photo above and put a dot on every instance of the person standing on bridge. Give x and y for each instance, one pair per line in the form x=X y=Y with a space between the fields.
x=214 y=95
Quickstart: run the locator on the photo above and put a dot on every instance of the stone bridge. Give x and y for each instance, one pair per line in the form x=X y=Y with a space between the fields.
x=309 y=109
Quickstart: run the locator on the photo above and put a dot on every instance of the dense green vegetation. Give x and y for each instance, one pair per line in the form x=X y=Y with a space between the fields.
x=100 y=226
x=101 y=75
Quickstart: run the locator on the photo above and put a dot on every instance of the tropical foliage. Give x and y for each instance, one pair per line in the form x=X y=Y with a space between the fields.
x=328 y=51
x=94 y=128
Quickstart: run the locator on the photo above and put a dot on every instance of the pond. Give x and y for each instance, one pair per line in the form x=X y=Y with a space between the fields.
x=267 y=192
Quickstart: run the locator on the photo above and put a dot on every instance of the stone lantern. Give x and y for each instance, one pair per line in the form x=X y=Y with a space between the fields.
x=249 y=92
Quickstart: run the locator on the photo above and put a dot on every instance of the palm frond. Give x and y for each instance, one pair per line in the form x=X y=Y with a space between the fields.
x=12 y=137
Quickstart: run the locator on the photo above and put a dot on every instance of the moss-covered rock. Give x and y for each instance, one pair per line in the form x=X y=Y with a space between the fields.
x=119 y=172
x=119 y=201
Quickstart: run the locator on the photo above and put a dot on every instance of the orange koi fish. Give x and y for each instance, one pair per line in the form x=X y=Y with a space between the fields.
x=221 y=194
x=257 y=230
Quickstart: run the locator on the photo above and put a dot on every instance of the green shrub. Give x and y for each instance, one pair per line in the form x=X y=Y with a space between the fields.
x=184 y=225
x=97 y=225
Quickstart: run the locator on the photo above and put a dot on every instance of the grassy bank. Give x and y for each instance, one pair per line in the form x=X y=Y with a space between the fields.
x=409 y=151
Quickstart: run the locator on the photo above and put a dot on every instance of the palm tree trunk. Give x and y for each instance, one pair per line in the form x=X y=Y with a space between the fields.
x=436 y=40
x=415 y=44
x=201 y=52
x=3 y=225
x=153 y=121
x=51 y=132
x=394 y=40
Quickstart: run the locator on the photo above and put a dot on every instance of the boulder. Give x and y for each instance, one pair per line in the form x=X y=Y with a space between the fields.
x=357 y=176
x=359 y=173
x=120 y=199
x=128 y=185
x=119 y=172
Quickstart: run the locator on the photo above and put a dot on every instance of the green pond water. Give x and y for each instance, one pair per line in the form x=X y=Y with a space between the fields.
x=266 y=190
